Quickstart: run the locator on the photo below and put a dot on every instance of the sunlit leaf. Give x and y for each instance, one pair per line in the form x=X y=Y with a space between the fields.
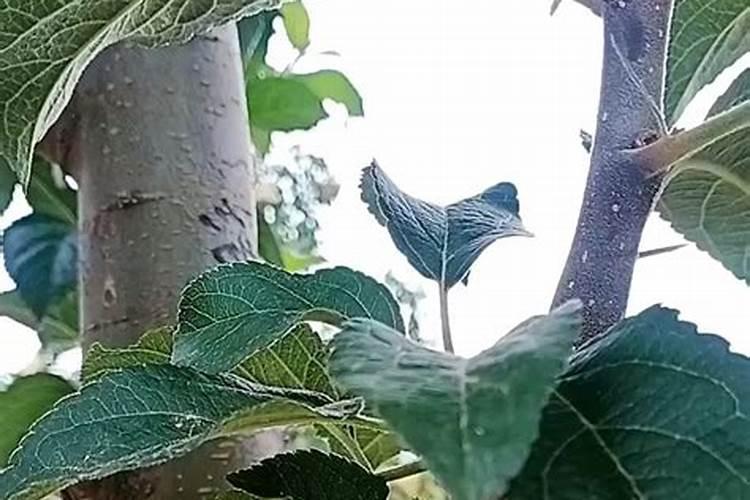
x=27 y=399
x=297 y=24
x=332 y=84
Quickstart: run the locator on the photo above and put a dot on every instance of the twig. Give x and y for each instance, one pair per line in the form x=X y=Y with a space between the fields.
x=659 y=251
x=658 y=156
x=444 y=320
x=402 y=471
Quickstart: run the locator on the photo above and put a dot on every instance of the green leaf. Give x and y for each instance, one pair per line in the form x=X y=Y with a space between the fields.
x=442 y=242
x=268 y=246
x=143 y=416
x=279 y=103
x=230 y=312
x=261 y=139
x=27 y=399
x=153 y=348
x=297 y=24
x=49 y=195
x=372 y=447
x=57 y=330
x=652 y=410
x=486 y=409
x=706 y=38
x=41 y=256
x=332 y=84
x=296 y=360
x=45 y=47
x=7 y=185
x=707 y=198
x=254 y=33
x=309 y=475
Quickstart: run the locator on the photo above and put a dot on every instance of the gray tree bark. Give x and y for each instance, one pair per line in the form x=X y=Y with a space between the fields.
x=158 y=141
x=619 y=192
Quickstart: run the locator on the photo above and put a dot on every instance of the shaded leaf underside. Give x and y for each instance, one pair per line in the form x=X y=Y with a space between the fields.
x=707 y=198
x=486 y=409
x=442 y=242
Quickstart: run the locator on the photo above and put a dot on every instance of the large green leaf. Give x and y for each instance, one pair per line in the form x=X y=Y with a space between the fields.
x=230 y=312
x=707 y=198
x=707 y=36
x=57 y=329
x=473 y=420
x=143 y=416
x=46 y=45
x=442 y=242
x=41 y=256
x=309 y=475
x=653 y=410
x=27 y=399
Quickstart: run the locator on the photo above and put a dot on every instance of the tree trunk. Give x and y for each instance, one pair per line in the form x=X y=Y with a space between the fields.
x=158 y=141
x=619 y=194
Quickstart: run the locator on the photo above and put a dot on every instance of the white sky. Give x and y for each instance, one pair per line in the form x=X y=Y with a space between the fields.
x=457 y=99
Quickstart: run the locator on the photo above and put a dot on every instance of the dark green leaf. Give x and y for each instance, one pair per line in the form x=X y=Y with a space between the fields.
x=706 y=38
x=7 y=185
x=233 y=310
x=653 y=410
x=153 y=348
x=46 y=45
x=707 y=198
x=57 y=330
x=331 y=84
x=41 y=256
x=485 y=410
x=279 y=103
x=442 y=242
x=143 y=416
x=49 y=195
x=310 y=475
x=27 y=399
x=297 y=24
x=254 y=33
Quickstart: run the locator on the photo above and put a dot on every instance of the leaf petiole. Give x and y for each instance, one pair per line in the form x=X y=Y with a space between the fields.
x=444 y=319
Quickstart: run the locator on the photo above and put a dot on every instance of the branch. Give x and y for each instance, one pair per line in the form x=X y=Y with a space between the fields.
x=619 y=194
x=402 y=471
x=659 y=251
x=658 y=156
